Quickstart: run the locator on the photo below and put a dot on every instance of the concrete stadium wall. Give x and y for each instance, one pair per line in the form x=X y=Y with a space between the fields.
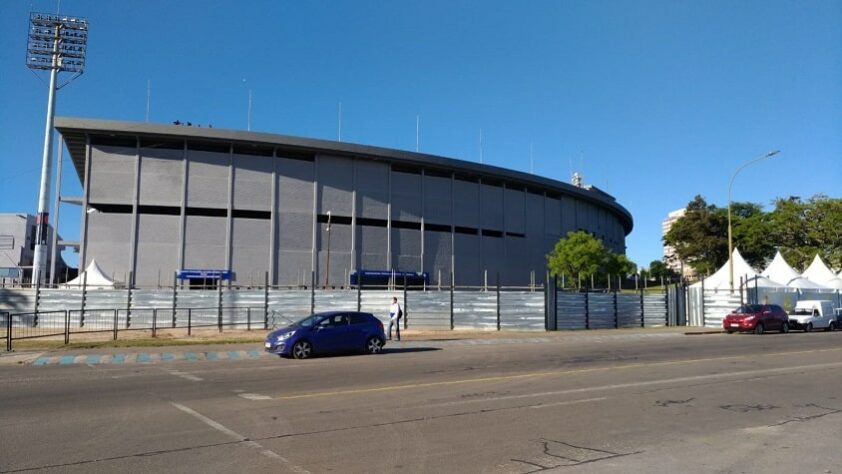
x=160 y=207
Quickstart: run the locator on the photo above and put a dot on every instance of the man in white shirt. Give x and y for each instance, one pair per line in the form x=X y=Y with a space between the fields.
x=395 y=315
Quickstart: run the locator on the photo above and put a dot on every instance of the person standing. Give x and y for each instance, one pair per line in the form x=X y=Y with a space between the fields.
x=395 y=315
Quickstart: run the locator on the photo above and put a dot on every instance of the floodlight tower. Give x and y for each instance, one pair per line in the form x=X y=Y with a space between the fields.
x=56 y=43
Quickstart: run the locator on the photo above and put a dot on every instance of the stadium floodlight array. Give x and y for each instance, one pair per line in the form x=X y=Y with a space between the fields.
x=57 y=43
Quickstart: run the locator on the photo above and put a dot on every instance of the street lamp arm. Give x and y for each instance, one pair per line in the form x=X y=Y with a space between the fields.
x=730 y=239
x=749 y=162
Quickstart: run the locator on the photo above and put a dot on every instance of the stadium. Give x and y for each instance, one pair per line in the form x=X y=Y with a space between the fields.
x=199 y=204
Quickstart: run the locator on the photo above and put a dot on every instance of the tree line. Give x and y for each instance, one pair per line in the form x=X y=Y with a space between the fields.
x=799 y=228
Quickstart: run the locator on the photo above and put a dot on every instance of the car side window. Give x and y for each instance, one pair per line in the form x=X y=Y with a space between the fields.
x=357 y=318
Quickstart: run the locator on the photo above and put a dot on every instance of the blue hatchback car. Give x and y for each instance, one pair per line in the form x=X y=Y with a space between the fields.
x=331 y=332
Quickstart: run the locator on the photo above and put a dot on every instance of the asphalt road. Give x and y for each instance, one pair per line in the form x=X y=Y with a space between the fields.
x=624 y=403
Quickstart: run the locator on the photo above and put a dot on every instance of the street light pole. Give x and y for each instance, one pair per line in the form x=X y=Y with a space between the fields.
x=730 y=241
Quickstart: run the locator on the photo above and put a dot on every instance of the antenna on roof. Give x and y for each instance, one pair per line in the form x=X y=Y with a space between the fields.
x=339 y=115
x=531 y=162
x=417 y=133
x=480 y=145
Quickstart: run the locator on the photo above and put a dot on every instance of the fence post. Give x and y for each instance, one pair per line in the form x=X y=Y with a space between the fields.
x=451 y=300
x=8 y=331
x=642 y=309
x=128 y=302
x=266 y=301
x=666 y=306
x=312 y=292
x=360 y=291
x=66 y=327
x=248 y=319
x=219 y=304
x=154 y=322
x=498 y=301
x=702 y=300
x=189 y=321
x=405 y=310
x=616 y=313
x=174 y=296
x=37 y=299
x=587 y=310
x=551 y=302
x=116 y=322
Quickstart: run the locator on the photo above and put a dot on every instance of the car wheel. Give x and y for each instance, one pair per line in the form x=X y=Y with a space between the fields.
x=730 y=331
x=832 y=326
x=302 y=350
x=374 y=345
x=785 y=328
x=808 y=327
x=758 y=329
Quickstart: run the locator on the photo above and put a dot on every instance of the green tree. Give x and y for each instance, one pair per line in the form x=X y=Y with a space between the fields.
x=803 y=229
x=751 y=233
x=577 y=256
x=700 y=237
x=618 y=264
x=824 y=228
x=659 y=269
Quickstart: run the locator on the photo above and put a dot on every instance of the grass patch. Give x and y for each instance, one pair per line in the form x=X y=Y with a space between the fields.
x=140 y=342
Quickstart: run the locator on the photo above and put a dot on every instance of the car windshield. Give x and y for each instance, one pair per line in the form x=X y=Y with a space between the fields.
x=747 y=309
x=803 y=311
x=309 y=321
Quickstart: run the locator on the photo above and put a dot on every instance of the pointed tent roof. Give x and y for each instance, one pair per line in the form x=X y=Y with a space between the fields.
x=719 y=280
x=805 y=284
x=835 y=282
x=818 y=272
x=779 y=271
x=763 y=282
x=96 y=278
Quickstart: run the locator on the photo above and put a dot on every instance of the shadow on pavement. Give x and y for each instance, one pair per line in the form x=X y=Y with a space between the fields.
x=399 y=350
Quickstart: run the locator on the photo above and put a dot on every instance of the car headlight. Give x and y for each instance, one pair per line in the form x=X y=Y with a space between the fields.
x=285 y=336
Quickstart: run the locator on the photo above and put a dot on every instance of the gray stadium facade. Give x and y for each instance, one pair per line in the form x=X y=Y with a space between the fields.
x=162 y=198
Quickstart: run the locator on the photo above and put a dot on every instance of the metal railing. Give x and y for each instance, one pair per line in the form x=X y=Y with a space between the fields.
x=113 y=321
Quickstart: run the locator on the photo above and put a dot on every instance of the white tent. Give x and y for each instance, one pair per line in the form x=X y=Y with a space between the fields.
x=762 y=282
x=720 y=279
x=779 y=271
x=804 y=283
x=96 y=278
x=818 y=272
x=835 y=282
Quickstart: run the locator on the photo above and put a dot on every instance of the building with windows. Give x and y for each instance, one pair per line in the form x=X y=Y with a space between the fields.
x=237 y=206
x=17 y=250
x=670 y=256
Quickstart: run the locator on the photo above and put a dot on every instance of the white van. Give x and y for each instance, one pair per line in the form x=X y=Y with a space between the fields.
x=813 y=314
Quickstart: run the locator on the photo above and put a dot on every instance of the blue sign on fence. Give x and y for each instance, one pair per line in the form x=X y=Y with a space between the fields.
x=197 y=274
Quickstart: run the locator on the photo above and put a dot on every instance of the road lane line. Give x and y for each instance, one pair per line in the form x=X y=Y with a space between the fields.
x=237 y=436
x=183 y=375
x=501 y=378
x=568 y=402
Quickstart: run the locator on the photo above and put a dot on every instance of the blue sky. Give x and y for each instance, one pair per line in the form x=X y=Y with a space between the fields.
x=652 y=101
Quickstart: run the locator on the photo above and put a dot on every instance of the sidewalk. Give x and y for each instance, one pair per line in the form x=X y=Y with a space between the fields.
x=241 y=345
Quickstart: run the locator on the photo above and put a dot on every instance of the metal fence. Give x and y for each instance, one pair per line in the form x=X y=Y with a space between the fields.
x=66 y=312
x=601 y=310
x=708 y=307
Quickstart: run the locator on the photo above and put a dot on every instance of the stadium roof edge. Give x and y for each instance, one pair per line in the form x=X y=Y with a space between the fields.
x=75 y=130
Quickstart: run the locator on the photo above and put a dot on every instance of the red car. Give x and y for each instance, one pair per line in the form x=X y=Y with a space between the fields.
x=757 y=318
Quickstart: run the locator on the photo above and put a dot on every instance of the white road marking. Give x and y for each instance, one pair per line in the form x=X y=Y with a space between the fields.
x=184 y=375
x=237 y=436
x=255 y=396
x=569 y=402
